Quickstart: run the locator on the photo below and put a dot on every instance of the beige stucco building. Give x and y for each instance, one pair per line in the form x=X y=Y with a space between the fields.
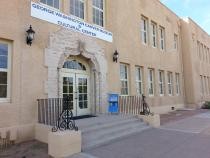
x=160 y=55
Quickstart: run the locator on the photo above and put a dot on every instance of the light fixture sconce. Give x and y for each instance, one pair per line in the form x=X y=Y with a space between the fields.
x=30 y=35
x=115 y=56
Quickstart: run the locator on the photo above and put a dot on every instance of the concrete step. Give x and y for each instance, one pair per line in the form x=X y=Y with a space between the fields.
x=106 y=132
x=102 y=119
x=102 y=126
x=111 y=138
x=101 y=132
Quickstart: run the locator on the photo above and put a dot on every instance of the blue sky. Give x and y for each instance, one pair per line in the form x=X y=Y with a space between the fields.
x=198 y=10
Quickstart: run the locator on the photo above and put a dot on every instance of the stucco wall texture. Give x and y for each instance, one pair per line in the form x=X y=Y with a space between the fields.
x=30 y=73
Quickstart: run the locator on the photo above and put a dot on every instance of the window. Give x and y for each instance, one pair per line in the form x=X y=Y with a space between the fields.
x=207 y=86
x=144 y=30
x=198 y=49
x=75 y=65
x=77 y=8
x=175 y=41
x=4 y=70
x=170 y=83
x=52 y=3
x=154 y=34
x=98 y=12
x=177 y=84
x=202 y=56
x=139 y=80
x=162 y=38
x=205 y=53
x=202 y=86
x=161 y=82
x=151 y=82
x=124 y=79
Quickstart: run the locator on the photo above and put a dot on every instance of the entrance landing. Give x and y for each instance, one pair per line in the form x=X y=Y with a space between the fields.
x=103 y=129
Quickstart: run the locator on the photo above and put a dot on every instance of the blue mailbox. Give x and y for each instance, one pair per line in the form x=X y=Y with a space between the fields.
x=113 y=102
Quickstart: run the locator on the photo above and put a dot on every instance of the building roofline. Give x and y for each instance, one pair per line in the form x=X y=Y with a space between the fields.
x=171 y=11
x=184 y=18
x=191 y=20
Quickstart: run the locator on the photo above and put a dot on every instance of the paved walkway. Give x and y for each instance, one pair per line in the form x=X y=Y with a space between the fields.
x=186 y=138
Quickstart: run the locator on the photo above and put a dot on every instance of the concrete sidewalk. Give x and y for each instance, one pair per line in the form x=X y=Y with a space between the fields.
x=187 y=138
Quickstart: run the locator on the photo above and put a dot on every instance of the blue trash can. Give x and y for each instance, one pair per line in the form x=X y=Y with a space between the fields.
x=113 y=102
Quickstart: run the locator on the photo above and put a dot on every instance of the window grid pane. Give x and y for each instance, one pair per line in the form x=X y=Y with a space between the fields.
x=4 y=70
x=77 y=8
x=161 y=82
x=98 y=12
x=170 y=84
x=144 y=30
x=151 y=82
x=154 y=35
x=139 y=80
x=124 y=79
x=52 y=3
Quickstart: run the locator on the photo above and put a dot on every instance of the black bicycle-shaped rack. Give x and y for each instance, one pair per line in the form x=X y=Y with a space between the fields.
x=145 y=110
x=66 y=119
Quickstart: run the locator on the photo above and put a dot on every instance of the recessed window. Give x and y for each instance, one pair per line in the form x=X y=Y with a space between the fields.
x=175 y=41
x=201 y=85
x=98 y=12
x=198 y=49
x=52 y=3
x=139 y=80
x=124 y=79
x=161 y=82
x=170 y=83
x=151 y=82
x=144 y=30
x=77 y=8
x=154 y=34
x=177 y=84
x=162 y=38
x=5 y=55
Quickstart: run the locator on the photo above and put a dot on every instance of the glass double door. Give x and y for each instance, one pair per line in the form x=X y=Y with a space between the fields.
x=76 y=86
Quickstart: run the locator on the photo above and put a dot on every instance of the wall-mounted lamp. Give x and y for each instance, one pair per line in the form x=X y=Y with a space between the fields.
x=115 y=56
x=30 y=35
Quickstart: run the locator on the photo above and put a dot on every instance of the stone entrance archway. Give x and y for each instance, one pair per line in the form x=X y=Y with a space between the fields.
x=64 y=44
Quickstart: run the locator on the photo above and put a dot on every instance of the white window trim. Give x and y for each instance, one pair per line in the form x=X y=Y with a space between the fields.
x=8 y=70
x=170 y=83
x=127 y=80
x=162 y=38
x=176 y=42
x=57 y=9
x=84 y=1
x=103 y=10
x=153 y=24
x=139 y=69
x=177 y=77
x=144 y=31
x=151 y=82
x=161 y=83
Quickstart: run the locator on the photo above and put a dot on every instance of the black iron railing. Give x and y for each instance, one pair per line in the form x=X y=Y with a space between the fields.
x=133 y=105
x=56 y=112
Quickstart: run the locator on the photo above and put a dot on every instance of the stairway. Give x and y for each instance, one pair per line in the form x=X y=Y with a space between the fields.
x=107 y=128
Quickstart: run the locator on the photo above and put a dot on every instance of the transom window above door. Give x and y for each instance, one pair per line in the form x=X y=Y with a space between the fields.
x=52 y=3
x=77 y=8
x=75 y=65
